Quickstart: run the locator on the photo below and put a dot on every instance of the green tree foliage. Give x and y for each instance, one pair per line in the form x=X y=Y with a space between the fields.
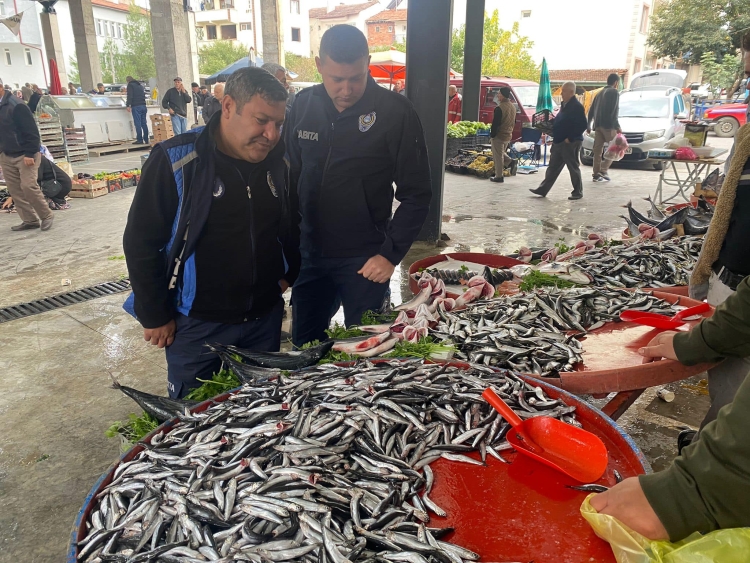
x=138 y=46
x=112 y=62
x=722 y=74
x=504 y=53
x=73 y=74
x=304 y=67
x=690 y=28
x=400 y=46
x=219 y=54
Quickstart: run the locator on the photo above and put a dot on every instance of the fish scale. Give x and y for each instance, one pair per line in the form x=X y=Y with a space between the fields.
x=343 y=496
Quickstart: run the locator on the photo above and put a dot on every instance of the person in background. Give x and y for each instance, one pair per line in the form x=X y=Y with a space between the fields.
x=26 y=92
x=400 y=87
x=567 y=133
x=20 y=159
x=349 y=141
x=176 y=100
x=49 y=171
x=212 y=104
x=454 y=104
x=501 y=133
x=195 y=92
x=602 y=118
x=237 y=249
x=204 y=96
x=707 y=487
x=71 y=88
x=280 y=73
x=724 y=262
x=18 y=94
x=35 y=97
x=99 y=91
x=136 y=103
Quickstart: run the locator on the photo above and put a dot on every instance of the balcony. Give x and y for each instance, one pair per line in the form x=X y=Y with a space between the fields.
x=217 y=16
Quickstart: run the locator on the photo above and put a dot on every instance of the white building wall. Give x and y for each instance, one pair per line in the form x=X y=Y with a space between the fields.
x=319 y=26
x=18 y=72
x=291 y=20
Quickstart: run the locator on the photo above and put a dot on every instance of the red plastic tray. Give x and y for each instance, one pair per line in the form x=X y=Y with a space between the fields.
x=491 y=260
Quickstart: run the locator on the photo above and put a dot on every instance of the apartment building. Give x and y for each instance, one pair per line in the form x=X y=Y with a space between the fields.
x=386 y=28
x=336 y=13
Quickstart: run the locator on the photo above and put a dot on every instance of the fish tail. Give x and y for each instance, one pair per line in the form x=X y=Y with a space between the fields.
x=628 y=205
x=115 y=383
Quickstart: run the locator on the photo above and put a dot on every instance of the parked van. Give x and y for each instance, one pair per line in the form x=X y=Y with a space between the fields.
x=524 y=96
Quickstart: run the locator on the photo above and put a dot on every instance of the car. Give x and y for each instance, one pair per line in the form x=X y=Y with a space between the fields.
x=652 y=111
x=524 y=94
x=697 y=90
x=726 y=118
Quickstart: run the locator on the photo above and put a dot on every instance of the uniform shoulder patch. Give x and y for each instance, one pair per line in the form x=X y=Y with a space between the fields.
x=366 y=121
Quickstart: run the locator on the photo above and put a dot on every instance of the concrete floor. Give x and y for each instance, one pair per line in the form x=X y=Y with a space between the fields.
x=55 y=368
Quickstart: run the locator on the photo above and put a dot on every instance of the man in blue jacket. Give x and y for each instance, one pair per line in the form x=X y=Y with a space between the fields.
x=567 y=134
x=349 y=141
x=210 y=242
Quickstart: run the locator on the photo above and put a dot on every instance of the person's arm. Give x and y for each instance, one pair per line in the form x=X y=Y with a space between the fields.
x=147 y=233
x=294 y=156
x=165 y=103
x=413 y=190
x=497 y=118
x=616 y=111
x=579 y=124
x=129 y=95
x=27 y=132
x=186 y=97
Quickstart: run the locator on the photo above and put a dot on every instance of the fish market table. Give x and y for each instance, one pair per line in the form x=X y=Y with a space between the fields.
x=686 y=180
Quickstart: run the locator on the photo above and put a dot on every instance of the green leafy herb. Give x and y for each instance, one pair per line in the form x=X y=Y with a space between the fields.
x=537 y=279
x=43 y=457
x=310 y=344
x=132 y=430
x=561 y=247
x=120 y=257
x=463 y=268
x=220 y=383
x=373 y=318
x=332 y=357
x=339 y=332
x=427 y=347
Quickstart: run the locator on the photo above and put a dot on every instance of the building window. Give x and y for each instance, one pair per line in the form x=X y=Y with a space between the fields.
x=226 y=4
x=294 y=6
x=296 y=34
x=644 y=19
x=403 y=28
x=8 y=60
x=27 y=53
x=99 y=28
x=525 y=13
x=637 y=67
x=211 y=32
x=107 y=29
x=2 y=8
x=390 y=29
x=229 y=31
x=246 y=27
x=377 y=29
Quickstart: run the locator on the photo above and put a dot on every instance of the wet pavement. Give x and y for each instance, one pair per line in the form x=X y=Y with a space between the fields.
x=56 y=367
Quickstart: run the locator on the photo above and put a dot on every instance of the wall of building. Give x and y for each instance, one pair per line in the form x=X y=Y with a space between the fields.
x=19 y=71
x=319 y=26
x=296 y=22
x=378 y=33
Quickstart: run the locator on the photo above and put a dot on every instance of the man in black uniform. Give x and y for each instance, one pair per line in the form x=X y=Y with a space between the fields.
x=349 y=141
x=210 y=242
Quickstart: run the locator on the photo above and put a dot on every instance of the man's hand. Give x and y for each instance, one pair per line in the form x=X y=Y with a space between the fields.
x=626 y=502
x=128 y=108
x=567 y=141
x=28 y=161
x=662 y=346
x=377 y=269
x=283 y=284
x=171 y=111
x=7 y=203
x=588 y=131
x=619 y=131
x=162 y=336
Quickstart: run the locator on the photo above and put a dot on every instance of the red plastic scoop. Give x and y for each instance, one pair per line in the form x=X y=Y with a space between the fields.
x=660 y=321
x=570 y=450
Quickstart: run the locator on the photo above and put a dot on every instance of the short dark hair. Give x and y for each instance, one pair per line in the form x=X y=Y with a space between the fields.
x=245 y=83
x=129 y=78
x=343 y=44
x=194 y=85
x=100 y=84
x=613 y=79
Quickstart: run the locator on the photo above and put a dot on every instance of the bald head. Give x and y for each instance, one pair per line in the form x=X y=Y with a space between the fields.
x=568 y=90
x=452 y=90
x=219 y=91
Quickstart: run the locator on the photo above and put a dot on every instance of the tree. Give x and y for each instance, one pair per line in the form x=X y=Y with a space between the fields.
x=138 y=46
x=721 y=75
x=689 y=28
x=73 y=74
x=112 y=62
x=304 y=67
x=504 y=53
x=398 y=46
x=218 y=55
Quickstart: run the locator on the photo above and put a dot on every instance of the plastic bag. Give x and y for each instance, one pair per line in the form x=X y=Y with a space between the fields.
x=722 y=546
x=677 y=142
x=685 y=153
x=616 y=149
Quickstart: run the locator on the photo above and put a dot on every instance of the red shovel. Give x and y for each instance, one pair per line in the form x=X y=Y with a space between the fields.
x=660 y=321
x=570 y=450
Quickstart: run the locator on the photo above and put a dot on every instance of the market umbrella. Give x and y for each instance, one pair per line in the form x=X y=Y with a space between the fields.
x=55 y=88
x=544 y=98
x=388 y=64
x=225 y=73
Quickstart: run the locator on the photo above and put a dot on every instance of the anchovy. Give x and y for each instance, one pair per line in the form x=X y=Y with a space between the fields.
x=590 y=488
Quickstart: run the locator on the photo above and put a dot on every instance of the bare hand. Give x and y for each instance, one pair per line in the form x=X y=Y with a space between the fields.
x=588 y=131
x=567 y=141
x=171 y=111
x=128 y=109
x=28 y=161
x=7 y=203
x=284 y=285
x=377 y=269
x=619 y=131
x=626 y=502
x=162 y=336
x=662 y=346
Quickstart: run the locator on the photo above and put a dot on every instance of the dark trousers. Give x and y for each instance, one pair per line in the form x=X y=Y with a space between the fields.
x=562 y=155
x=188 y=359
x=322 y=285
x=139 y=120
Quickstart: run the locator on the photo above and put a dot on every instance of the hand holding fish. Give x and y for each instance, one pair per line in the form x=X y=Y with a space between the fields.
x=627 y=502
x=377 y=269
x=161 y=336
x=662 y=346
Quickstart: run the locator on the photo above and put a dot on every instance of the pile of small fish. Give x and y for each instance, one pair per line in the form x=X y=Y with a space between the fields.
x=329 y=464
x=531 y=333
x=658 y=226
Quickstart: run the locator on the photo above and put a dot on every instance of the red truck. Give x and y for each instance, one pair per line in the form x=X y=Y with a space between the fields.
x=726 y=118
x=524 y=95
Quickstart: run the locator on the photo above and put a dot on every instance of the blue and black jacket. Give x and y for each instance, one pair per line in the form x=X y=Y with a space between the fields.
x=344 y=165
x=167 y=230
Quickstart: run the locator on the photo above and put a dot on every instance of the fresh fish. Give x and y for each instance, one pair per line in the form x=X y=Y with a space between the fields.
x=637 y=218
x=590 y=488
x=298 y=359
x=161 y=408
x=357 y=345
x=694 y=227
x=654 y=212
x=674 y=219
x=632 y=227
x=422 y=297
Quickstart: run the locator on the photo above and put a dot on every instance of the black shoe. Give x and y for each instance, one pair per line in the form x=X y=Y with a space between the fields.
x=575 y=196
x=25 y=227
x=537 y=192
x=685 y=439
x=500 y=180
x=513 y=167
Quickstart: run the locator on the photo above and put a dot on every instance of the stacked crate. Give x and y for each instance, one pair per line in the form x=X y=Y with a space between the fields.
x=75 y=144
x=161 y=127
x=51 y=134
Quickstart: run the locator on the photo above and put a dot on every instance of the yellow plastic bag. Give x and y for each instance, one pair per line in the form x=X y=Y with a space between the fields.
x=721 y=546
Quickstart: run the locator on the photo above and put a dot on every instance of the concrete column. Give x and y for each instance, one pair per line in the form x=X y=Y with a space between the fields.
x=171 y=31
x=428 y=48
x=53 y=44
x=473 y=59
x=87 y=51
x=273 y=31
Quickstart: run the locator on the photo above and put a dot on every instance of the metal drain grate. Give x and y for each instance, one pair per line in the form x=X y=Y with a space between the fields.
x=63 y=300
